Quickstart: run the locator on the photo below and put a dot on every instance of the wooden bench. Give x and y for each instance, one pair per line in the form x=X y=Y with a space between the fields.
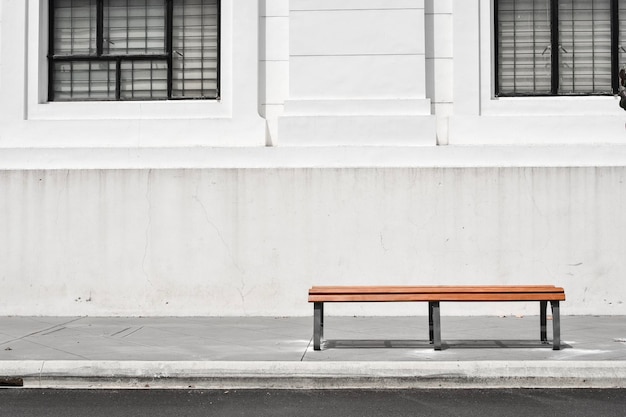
x=434 y=295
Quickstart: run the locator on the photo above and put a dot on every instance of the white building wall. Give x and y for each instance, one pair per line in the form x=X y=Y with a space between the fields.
x=439 y=63
x=0 y=47
x=161 y=210
x=357 y=75
x=274 y=63
x=29 y=121
x=481 y=119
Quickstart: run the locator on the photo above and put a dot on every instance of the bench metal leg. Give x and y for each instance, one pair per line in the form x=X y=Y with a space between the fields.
x=556 y=325
x=436 y=320
x=543 y=309
x=318 y=325
x=431 y=335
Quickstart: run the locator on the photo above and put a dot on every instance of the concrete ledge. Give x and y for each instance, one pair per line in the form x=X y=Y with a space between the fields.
x=316 y=375
x=313 y=157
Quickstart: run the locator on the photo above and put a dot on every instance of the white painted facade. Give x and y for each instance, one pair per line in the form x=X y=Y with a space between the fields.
x=355 y=142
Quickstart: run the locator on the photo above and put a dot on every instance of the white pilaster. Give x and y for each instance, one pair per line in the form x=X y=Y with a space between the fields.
x=357 y=74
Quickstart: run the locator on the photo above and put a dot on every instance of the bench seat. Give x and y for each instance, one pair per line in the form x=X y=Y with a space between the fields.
x=434 y=295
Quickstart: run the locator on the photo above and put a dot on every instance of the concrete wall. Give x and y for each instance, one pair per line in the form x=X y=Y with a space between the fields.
x=251 y=241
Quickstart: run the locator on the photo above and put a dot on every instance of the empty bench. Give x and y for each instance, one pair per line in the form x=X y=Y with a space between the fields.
x=434 y=295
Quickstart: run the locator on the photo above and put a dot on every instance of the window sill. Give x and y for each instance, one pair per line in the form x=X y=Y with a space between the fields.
x=128 y=110
x=552 y=106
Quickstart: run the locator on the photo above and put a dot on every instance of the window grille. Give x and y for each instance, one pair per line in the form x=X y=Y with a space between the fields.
x=134 y=49
x=558 y=47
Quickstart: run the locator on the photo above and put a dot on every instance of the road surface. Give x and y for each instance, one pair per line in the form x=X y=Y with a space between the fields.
x=20 y=402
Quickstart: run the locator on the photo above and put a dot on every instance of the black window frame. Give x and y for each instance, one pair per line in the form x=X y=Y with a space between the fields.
x=118 y=59
x=554 y=46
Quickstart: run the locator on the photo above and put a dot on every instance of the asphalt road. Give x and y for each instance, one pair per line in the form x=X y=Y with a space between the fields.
x=16 y=402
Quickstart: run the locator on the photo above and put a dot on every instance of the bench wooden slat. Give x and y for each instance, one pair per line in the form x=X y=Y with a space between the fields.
x=436 y=293
x=433 y=289
x=437 y=297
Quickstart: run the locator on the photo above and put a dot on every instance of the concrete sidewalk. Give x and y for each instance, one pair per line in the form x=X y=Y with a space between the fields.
x=266 y=352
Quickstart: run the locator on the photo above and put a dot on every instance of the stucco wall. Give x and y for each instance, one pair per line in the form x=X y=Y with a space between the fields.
x=152 y=208
x=0 y=46
x=274 y=62
x=251 y=241
x=440 y=63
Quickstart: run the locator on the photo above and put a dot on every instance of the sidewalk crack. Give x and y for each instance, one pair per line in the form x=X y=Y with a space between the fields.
x=306 y=349
x=121 y=331
x=45 y=331
x=59 y=350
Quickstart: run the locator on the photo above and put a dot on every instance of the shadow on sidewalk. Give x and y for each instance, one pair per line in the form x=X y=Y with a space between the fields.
x=424 y=344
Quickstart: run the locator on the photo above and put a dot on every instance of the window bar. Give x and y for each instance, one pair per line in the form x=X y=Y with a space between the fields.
x=99 y=27
x=51 y=50
x=108 y=69
x=573 y=8
x=496 y=48
x=118 y=78
x=615 y=64
x=151 y=71
x=132 y=79
x=145 y=49
x=554 y=29
x=169 y=23
x=114 y=66
x=514 y=47
x=183 y=78
x=127 y=11
x=202 y=53
x=145 y=23
x=593 y=47
x=71 y=24
x=218 y=39
x=71 y=79
x=534 y=49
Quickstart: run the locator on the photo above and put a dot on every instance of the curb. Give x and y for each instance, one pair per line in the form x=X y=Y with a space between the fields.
x=314 y=375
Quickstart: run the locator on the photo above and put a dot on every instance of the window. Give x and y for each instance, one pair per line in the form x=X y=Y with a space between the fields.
x=133 y=50
x=558 y=47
